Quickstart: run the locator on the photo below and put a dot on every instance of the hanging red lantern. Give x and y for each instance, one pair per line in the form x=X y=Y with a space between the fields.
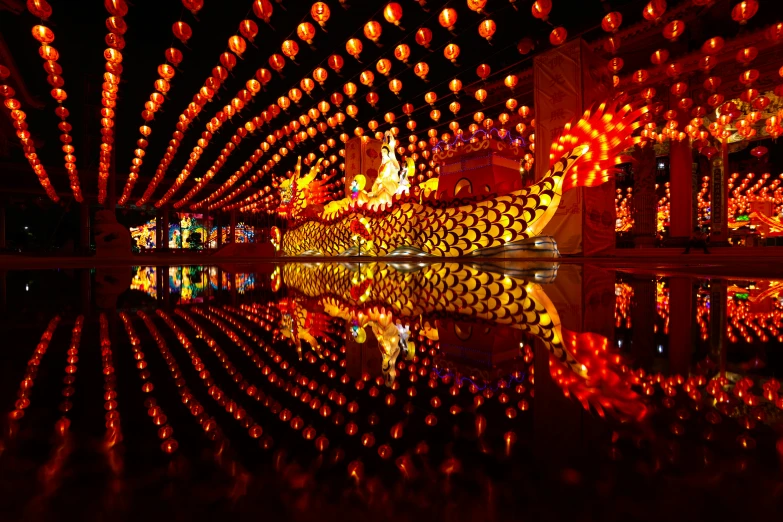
x=455 y=85
x=372 y=97
x=366 y=78
x=511 y=81
x=182 y=32
x=320 y=75
x=354 y=47
x=451 y=52
x=541 y=9
x=320 y=13
x=372 y=30
x=659 y=57
x=263 y=10
x=477 y=5
x=673 y=30
x=654 y=10
x=424 y=37
x=249 y=29
x=431 y=98
x=775 y=32
x=395 y=86
x=487 y=29
x=525 y=45
x=173 y=56
x=481 y=95
x=383 y=66
x=337 y=98
x=39 y=9
x=393 y=13
x=43 y=34
x=615 y=65
x=402 y=52
x=483 y=71
x=336 y=62
x=290 y=49
x=759 y=151
x=712 y=46
x=264 y=76
x=749 y=76
x=115 y=24
x=194 y=6
x=349 y=89
x=558 y=36
x=447 y=18
x=611 y=22
x=744 y=11
x=277 y=62
x=306 y=32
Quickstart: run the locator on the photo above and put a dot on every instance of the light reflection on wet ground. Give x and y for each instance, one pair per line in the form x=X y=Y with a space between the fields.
x=383 y=390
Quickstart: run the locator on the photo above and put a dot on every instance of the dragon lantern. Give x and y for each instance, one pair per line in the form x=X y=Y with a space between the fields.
x=403 y=222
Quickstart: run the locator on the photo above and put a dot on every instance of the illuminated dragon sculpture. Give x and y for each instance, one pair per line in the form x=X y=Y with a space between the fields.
x=390 y=218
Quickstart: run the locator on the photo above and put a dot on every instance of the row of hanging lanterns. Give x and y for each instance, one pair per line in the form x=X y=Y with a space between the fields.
x=19 y=117
x=45 y=36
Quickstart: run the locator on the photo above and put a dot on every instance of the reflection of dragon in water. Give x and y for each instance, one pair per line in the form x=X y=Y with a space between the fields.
x=581 y=362
x=586 y=154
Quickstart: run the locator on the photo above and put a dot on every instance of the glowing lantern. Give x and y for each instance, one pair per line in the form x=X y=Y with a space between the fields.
x=295 y=95
x=424 y=37
x=511 y=81
x=749 y=76
x=383 y=66
x=707 y=63
x=395 y=86
x=263 y=10
x=611 y=22
x=174 y=56
x=421 y=70
x=336 y=62
x=367 y=77
x=182 y=32
x=487 y=29
x=775 y=32
x=660 y=56
x=451 y=52
x=307 y=85
x=654 y=10
x=541 y=9
x=194 y=6
x=372 y=30
x=760 y=150
x=558 y=36
x=320 y=75
x=393 y=13
x=481 y=95
x=435 y=114
x=277 y=62
x=264 y=76
x=47 y=52
x=747 y=55
x=744 y=11
x=430 y=97
x=372 y=97
x=39 y=8
x=352 y=110
x=349 y=89
x=354 y=47
x=306 y=32
x=483 y=71
x=249 y=29
x=612 y=44
x=455 y=85
x=447 y=18
x=454 y=107
x=673 y=30
x=402 y=52
x=290 y=48
x=615 y=65
x=679 y=88
x=640 y=76
x=43 y=34
x=525 y=45
x=712 y=83
x=712 y=46
x=511 y=104
x=477 y=5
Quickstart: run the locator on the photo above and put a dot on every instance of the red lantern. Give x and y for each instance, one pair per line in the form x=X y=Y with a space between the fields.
x=336 y=62
x=43 y=34
x=372 y=30
x=174 y=56
x=402 y=52
x=611 y=22
x=712 y=46
x=421 y=70
x=194 y=6
x=477 y=5
x=182 y=32
x=483 y=71
x=759 y=151
x=264 y=76
x=451 y=52
x=541 y=9
x=306 y=32
x=673 y=30
x=249 y=29
x=393 y=13
x=39 y=8
x=320 y=13
x=277 y=62
x=525 y=45
x=659 y=57
x=447 y=18
x=290 y=48
x=354 y=47
x=320 y=75
x=615 y=65
x=424 y=37
x=395 y=86
x=487 y=29
x=654 y=10
x=558 y=36
x=384 y=66
x=263 y=10
x=744 y=11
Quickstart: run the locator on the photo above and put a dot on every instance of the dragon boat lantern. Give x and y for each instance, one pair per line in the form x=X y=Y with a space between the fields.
x=484 y=166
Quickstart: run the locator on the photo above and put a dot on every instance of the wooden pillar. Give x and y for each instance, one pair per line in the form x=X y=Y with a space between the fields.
x=232 y=227
x=219 y=228
x=681 y=320
x=84 y=226
x=567 y=80
x=643 y=320
x=719 y=219
x=718 y=297
x=681 y=187
x=163 y=229
x=645 y=202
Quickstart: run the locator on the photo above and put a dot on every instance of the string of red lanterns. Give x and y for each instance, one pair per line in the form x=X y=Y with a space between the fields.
x=166 y=71
x=18 y=116
x=112 y=416
x=50 y=55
